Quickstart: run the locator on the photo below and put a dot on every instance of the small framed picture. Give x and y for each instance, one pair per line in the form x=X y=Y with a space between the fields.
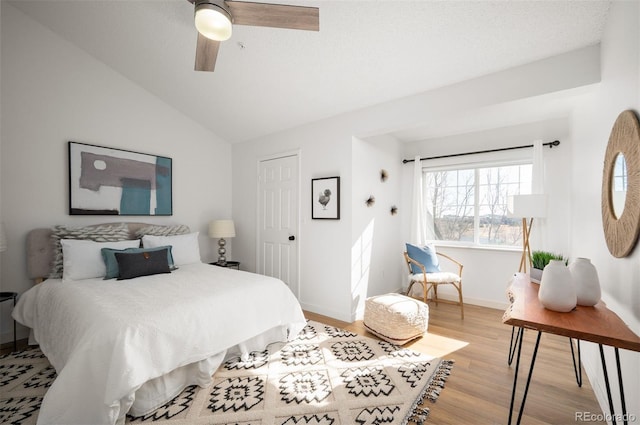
x=325 y=198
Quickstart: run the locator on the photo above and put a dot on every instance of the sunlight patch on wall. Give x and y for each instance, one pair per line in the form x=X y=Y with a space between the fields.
x=361 y=264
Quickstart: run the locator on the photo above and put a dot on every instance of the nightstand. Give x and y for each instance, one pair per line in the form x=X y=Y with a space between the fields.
x=7 y=296
x=228 y=264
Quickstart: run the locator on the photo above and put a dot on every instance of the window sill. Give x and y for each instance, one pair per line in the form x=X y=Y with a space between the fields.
x=442 y=244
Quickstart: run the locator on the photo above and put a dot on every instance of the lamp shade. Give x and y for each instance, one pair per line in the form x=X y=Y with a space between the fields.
x=3 y=238
x=222 y=229
x=212 y=20
x=528 y=206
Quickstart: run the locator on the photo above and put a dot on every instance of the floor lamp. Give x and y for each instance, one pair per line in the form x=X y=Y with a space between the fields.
x=528 y=207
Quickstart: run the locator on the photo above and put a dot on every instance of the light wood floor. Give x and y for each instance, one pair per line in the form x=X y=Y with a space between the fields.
x=479 y=388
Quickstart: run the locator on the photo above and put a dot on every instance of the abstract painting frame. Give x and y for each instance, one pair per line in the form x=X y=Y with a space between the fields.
x=109 y=181
x=325 y=198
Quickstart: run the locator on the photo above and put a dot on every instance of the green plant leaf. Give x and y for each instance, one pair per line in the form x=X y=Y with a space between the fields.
x=542 y=258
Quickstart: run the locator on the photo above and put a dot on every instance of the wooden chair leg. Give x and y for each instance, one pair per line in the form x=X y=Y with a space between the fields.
x=435 y=293
x=461 y=303
x=409 y=289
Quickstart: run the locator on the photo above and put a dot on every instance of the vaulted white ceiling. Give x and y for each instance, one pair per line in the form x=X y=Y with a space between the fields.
x=366 y=52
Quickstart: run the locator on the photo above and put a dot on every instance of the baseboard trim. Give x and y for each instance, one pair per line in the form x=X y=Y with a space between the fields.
x=325 y=312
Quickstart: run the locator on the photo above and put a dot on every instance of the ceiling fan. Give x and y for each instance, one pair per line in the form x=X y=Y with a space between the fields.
x=214 y=18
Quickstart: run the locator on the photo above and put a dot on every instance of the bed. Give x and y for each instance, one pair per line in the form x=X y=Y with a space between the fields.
x=128 y=346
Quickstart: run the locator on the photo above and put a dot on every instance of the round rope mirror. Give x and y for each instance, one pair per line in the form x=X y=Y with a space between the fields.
x=621 y=186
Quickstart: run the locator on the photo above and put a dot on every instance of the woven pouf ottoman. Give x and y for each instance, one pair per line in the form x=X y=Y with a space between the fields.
x=396 y=318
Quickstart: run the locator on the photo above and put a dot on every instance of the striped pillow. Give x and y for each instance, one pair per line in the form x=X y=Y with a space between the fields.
x=157 y=230
x=98 y=233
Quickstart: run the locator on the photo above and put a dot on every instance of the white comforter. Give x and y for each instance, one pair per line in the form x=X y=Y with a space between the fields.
x=106 y=338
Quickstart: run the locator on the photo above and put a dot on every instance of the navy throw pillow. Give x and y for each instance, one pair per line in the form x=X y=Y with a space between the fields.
x=109 y=257
x=425 y=255
x=135 y=264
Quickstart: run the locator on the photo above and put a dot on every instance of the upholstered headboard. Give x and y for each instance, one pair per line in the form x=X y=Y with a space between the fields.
x=40 y=250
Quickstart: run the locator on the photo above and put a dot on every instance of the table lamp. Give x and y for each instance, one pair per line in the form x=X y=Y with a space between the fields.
x=222 y=229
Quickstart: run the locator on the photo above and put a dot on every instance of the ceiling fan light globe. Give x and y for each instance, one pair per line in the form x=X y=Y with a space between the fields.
x=212 y=23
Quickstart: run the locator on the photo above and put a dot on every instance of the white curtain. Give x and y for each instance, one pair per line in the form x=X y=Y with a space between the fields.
x=537 y=184
x=538 y=231
x=419 y=215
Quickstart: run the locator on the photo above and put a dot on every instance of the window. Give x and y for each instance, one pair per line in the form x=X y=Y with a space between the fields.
x=469 y=205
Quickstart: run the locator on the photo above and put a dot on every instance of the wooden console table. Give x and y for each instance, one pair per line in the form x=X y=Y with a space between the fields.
x=595 y=324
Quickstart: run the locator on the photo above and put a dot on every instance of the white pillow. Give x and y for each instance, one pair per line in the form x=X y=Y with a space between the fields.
x=184 y=248
x=82 y=259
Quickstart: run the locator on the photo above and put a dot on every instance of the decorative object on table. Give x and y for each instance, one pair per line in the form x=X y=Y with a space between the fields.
x=394 y=210
x=325 y=198
x=539 y=260
x=621 y=186
x=338 y=375
x=527 y=207
x=222 y=229
x=557 y=290
x=586 y=281
x=108 y=181
x=371 y=200
x=384 y=175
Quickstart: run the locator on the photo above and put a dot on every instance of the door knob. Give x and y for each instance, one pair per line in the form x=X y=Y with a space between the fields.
x=292 y=238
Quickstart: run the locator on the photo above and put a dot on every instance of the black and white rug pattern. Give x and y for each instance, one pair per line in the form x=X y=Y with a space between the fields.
x=327 y=376
x=25 y=377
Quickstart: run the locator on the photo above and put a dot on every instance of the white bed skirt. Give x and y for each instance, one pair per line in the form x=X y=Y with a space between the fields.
x=158 y=391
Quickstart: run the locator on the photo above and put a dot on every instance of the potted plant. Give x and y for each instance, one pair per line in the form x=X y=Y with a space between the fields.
x=539 y=260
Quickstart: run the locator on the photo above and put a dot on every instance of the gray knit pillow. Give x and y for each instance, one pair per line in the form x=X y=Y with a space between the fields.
x=157 y=230
x=99 y=233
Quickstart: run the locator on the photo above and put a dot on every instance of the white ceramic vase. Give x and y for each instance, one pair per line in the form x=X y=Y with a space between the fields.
x=557 y=291
x=585 y=279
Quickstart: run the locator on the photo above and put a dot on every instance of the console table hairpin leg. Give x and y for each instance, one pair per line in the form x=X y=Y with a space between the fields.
x=595 y=324
x=577 y=368
x=519 y=338
x=514 y=343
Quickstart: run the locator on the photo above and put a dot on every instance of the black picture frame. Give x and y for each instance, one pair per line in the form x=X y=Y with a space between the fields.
x=325 y=198
x=110 y=181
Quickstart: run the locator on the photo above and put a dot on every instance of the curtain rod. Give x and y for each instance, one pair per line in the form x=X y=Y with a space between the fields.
x=550 y=144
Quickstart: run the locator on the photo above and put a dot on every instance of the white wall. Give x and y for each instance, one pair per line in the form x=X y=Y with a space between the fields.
x=591 y=126
x=52 y=92
x=327 y=149
x=376 y=242
x=482 y=285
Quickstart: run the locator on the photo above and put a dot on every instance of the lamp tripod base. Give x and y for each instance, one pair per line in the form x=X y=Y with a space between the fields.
x=526 y=248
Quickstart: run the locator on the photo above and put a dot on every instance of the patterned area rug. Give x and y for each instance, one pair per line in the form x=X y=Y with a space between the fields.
x=327 y=376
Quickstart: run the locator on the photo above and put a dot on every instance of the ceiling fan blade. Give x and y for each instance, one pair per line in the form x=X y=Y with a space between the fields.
x=206 y=53
x=275 y=15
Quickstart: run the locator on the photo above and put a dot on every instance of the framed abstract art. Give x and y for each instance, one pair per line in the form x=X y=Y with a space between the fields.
x=108 y=181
